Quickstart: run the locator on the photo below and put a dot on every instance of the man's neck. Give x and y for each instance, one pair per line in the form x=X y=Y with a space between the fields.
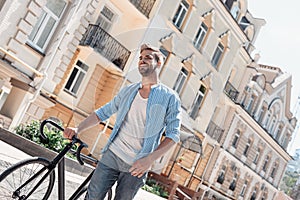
x=146 y=81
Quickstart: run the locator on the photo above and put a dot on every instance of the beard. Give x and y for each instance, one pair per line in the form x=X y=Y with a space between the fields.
x=146 y=70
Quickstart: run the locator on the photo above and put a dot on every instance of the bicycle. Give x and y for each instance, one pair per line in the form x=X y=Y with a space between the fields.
x=34 y=178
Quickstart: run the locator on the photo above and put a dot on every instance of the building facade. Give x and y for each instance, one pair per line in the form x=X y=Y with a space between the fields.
x=65 y=58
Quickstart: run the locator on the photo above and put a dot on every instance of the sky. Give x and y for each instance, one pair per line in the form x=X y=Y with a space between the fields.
x=278 y=43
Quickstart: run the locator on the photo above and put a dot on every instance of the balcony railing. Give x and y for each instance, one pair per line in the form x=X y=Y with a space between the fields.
x=214 y=131
x=231 y=92
x=144 y=6
x=106 y=45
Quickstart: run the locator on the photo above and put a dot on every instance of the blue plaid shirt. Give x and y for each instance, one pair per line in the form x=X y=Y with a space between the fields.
x=163 y=113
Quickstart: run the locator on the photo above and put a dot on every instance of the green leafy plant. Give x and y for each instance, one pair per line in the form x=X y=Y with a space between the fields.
x=153 y=187
x=31 y=132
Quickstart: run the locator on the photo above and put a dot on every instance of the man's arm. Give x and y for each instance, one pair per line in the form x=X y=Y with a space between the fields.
x=88 y=122
x=142 y=165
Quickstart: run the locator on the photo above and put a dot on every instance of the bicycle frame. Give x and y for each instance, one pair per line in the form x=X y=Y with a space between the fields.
x=59 y=161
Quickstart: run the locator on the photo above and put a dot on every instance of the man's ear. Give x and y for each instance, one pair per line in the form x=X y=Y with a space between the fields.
x=159 y=64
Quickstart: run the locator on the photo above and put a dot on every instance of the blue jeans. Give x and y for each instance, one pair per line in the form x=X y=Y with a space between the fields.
x=109 y=170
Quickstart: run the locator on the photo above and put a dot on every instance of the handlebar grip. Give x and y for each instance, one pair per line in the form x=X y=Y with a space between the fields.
x=43 y=136
x=82 y=145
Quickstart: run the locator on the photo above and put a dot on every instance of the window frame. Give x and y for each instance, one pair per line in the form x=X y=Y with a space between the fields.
x=244 y=188
x=74 y=81
x=235 y=140
x=217 y=56
x=38 y=30
x=179 y=17
x=247 y=148
x=200 y=36
x=181 y=80
x=221 y=176
x=196 y=107
x=257 y=156
x=104 y=20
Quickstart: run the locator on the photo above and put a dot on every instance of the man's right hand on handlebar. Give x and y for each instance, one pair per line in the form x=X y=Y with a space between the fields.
x=70 y=132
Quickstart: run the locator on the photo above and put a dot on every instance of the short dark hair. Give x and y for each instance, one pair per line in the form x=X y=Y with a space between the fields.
x=158 y=54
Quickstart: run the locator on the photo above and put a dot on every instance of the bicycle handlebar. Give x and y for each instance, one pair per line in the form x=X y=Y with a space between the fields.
x=74 y=139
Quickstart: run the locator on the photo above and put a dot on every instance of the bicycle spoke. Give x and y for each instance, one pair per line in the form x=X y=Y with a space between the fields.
x=21 y=179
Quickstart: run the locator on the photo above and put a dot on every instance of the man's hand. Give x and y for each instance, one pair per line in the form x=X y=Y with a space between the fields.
x=140 y=166
x=69 y=132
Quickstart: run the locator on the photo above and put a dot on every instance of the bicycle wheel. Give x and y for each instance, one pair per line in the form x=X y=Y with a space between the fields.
x=18 y=174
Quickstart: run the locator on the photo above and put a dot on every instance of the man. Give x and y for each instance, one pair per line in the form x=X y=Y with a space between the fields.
x=145 y=111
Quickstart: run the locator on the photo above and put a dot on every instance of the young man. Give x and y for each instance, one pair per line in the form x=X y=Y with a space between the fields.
x=145 y=111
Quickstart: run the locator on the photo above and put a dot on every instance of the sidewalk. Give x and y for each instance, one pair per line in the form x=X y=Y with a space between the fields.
x=10 y=155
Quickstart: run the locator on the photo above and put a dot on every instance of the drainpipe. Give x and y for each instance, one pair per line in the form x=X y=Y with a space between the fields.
x=44 y=75
x=204 y=172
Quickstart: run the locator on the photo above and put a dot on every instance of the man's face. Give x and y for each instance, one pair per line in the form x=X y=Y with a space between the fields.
x=147 y=63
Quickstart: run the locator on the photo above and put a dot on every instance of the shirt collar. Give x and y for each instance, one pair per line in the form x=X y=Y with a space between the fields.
x=152 y=86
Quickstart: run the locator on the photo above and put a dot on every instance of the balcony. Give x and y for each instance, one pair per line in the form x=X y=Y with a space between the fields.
x=231 y=92
x=214 y=131
x=144 y=6
x=106 y=45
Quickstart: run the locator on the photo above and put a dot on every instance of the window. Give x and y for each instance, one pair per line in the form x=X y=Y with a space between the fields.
x=105 y=19
x=217 y=55
x=180 y=80
x=274 y=169
x=235 y=10
x=243 y=191
x=76 y=77
x=246 y=150
x=221 y=176
x=264 y=195
x=261 y=114
x=233 y=182
x=165 y=52
x=285 y=141
x=267 y=120
x=250 y=103
x=253 y=196
x=265 y=165
x=46 y=24
x=256 y=158
x=278 y=132
x=199 y=38
x=180 y=14
x=197 y=102
x=236 y=139
x=3 y=95
x=272 y=125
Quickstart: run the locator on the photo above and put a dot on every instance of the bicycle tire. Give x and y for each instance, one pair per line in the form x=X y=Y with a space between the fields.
x=19 y=173
x=82 y=193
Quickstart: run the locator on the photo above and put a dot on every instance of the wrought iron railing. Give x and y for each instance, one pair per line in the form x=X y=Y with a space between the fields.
x=231 y=92
x=106 y=45
x=144 y=6
x=214 y=131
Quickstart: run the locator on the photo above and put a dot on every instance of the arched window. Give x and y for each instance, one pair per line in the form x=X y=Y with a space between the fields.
x=235 y=139
x=274 y=170
x=221 y=176
x=233 y=182
x=257 y=155
x=266 y=162
x=247 y=147
x=243 y=191
x=253 y=196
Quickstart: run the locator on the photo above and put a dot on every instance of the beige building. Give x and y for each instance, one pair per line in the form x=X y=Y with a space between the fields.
x=65 y=58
